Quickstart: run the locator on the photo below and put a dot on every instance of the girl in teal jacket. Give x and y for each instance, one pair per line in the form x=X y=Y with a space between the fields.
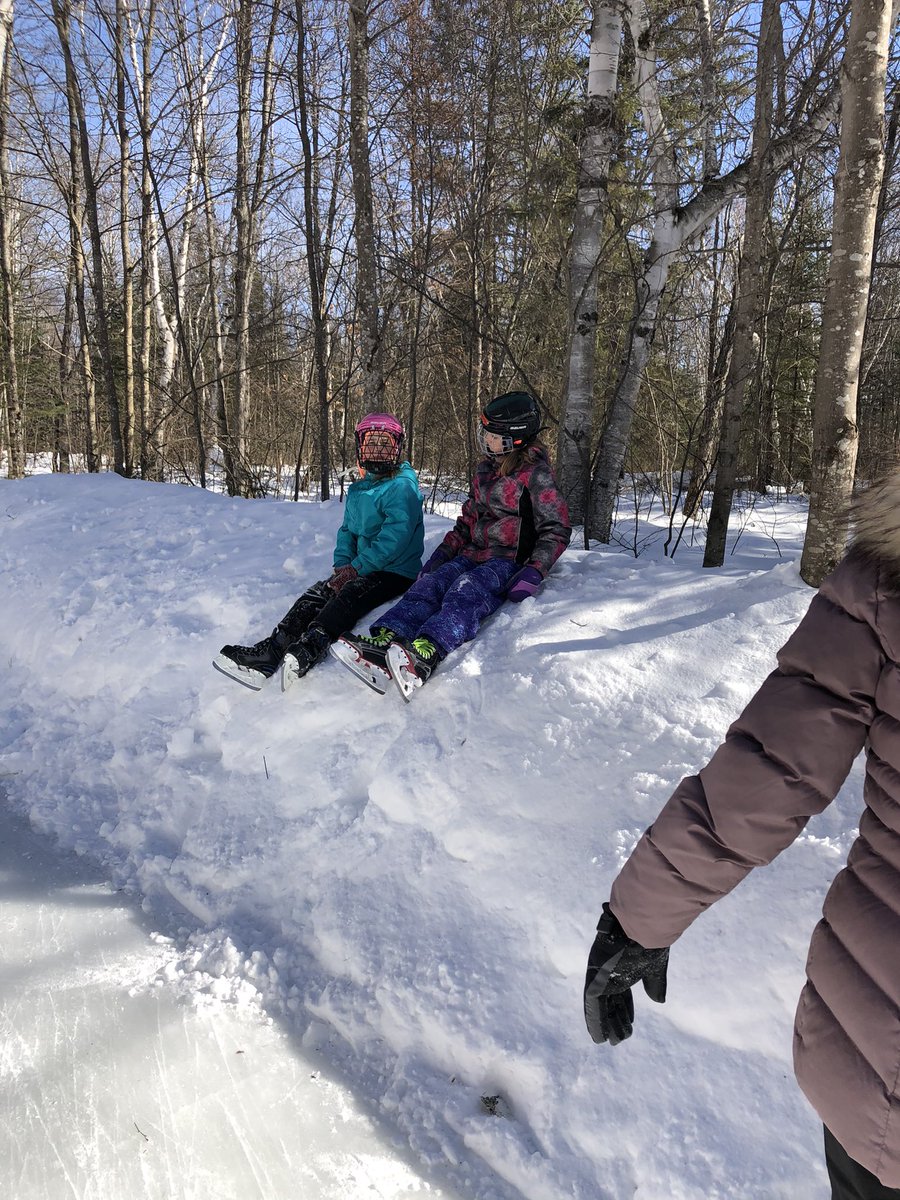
x=377 y=556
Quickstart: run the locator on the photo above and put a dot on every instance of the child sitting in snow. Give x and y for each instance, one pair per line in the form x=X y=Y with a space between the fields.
x=512 y=529
x=378 y=552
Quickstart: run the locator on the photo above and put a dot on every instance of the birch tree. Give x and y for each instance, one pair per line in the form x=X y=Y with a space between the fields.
x=12 y=408
x=675 y=225
x=598 y=140
x=857 y=188
x=61 y=19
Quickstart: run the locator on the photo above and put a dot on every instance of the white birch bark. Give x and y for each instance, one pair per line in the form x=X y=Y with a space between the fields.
x=195 y=78
x=597 y=146
x=665 y=241
x=674 y=228
x=857 y=187
x=61 y=10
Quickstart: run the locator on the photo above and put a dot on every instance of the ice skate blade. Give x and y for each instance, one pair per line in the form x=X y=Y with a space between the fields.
x=371 y=675
x=255 y=680
x=290 y=672
x=402 y=671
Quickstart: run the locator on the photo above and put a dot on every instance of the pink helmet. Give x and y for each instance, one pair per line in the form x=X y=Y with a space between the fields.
x=379 y=442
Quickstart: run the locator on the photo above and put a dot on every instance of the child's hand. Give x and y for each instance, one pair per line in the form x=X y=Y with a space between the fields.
x=341 y=576
x=524 y=584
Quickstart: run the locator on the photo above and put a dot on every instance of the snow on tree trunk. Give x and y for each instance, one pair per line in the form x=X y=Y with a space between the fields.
x=856 y=190
x=597 y=145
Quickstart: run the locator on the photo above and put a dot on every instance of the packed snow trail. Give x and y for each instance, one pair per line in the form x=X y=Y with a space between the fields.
x=110 y=1089
x=411 y=891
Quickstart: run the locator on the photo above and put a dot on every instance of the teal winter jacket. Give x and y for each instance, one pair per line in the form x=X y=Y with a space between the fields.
x=383 y=528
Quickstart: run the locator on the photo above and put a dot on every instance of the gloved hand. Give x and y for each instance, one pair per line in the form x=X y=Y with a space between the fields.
x=615 y=964
x=524 y=584
x=438 y=558
x=341 y=576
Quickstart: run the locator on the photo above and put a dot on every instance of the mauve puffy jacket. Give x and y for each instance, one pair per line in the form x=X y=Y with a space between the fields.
x=836 y=689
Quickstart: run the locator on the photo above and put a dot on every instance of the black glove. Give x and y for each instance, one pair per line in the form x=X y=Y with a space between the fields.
x=615 y=964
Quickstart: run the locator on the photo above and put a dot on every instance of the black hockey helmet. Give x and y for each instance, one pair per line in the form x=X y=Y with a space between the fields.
x=515 y=417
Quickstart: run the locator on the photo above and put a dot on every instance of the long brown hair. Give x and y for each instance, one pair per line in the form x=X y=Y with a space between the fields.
x=510 y=463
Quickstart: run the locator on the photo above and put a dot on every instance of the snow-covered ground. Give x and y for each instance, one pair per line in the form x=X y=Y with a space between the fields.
x=112 y=1088
x=406 y=893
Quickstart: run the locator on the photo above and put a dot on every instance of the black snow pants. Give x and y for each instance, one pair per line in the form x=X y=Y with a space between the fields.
x=337 y=613
x=849 y=1180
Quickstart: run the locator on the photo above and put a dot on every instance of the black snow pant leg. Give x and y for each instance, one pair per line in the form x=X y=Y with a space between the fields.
x=304 y=611
x=849 y=1180
x=359 y=597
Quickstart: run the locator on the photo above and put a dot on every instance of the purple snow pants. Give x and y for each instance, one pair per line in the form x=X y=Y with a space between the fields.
x=449 y=604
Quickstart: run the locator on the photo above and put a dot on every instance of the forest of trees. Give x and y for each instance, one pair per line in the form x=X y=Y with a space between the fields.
x=228 y=229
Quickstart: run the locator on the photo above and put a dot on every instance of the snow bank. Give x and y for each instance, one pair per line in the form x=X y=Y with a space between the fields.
x=412 y=890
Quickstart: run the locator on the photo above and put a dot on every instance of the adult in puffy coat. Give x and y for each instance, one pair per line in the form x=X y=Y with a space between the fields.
x=835 y=690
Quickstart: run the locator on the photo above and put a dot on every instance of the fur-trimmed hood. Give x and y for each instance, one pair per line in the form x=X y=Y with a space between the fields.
x=876 y=519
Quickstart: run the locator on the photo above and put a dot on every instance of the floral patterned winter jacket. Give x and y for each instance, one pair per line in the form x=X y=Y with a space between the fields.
x=521 y=516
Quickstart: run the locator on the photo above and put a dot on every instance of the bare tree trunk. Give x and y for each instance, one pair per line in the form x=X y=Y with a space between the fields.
x=664 y=243
x=675 y=226
x=124 y=242
x=707 y=441
x=9 y=367
x=249 y=179
x=243 y=265
x=367 y=290
x=151 y=448
x=598 y=141
x=223 y=424
x=61 y=440
x=749 y=288
x=718 y=351
x=61 y=10
x=856 y=190
x=76 y=256
x=314 y=258
x=709 y=91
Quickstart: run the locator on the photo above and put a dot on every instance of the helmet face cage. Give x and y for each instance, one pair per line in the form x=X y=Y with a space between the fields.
x=379 y=443
x=508 y=442
x=514 y=417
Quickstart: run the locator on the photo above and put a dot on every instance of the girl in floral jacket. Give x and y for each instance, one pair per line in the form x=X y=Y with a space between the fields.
x=512 y=529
